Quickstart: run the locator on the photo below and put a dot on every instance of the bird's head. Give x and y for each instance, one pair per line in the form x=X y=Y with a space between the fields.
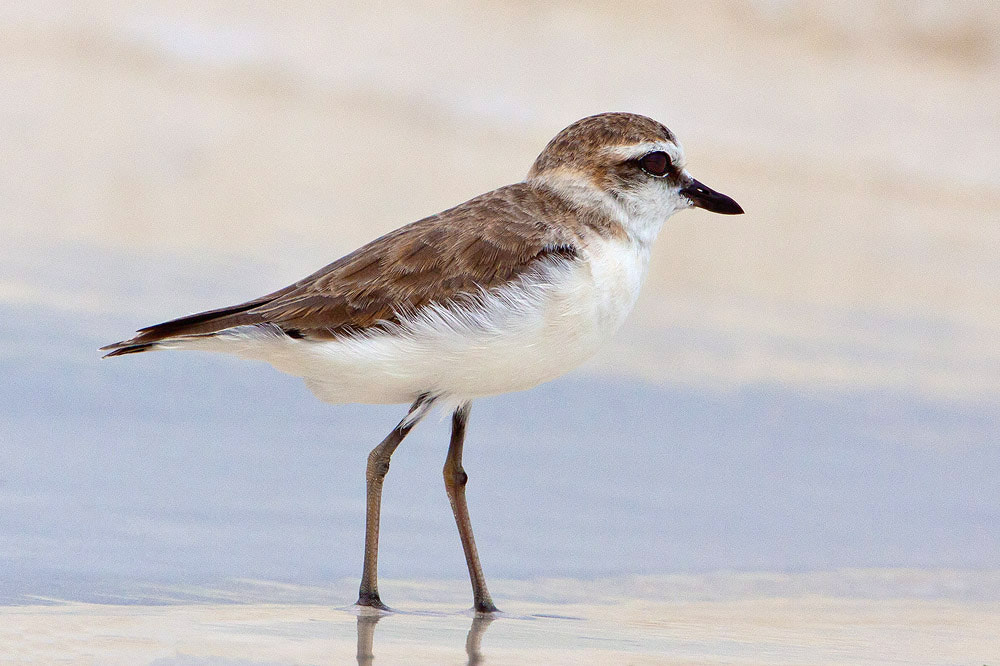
x=629 y=161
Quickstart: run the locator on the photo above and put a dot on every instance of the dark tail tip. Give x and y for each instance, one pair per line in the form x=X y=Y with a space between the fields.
x=127 y=349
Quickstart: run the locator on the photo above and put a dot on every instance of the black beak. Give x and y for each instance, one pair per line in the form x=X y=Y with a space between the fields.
x=709 y=199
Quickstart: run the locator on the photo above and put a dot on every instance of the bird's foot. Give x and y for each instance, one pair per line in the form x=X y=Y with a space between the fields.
x=371 y=600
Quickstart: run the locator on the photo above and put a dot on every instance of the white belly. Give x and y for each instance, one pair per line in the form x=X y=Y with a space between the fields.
x=513 y=339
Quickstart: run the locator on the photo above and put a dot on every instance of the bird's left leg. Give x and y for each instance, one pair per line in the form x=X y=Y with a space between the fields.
x=455 y=479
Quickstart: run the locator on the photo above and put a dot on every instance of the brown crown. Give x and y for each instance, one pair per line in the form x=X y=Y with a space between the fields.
x=579 y=145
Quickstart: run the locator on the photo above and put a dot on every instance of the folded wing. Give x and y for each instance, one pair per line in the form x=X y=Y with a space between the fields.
x=481 y=244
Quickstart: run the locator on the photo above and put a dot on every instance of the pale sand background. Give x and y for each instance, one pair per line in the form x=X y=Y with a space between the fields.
x=863 y=142
x=811 y=387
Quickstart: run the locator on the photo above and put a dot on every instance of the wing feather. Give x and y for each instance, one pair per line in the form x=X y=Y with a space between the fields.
x=481 y=244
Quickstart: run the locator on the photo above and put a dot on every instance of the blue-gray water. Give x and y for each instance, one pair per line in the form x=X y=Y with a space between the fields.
x=181 y=468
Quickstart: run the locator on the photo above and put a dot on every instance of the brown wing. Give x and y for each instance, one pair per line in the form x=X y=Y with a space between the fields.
x=482 y=243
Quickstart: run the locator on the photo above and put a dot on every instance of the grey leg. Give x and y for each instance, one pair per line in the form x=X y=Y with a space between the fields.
x=455 y=479
x=378 y=465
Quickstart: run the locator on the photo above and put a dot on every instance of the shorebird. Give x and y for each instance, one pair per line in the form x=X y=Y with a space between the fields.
x=501 y=293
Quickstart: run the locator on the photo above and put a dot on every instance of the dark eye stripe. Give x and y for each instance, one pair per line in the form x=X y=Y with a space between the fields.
x=656 y=163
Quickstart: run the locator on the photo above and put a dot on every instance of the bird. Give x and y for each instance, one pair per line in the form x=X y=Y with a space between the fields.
x=504 y=292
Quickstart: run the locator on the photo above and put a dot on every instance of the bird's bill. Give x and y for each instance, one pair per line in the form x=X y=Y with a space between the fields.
x=707 y=198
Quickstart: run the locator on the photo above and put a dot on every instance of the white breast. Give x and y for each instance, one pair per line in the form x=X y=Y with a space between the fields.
x=508 y=339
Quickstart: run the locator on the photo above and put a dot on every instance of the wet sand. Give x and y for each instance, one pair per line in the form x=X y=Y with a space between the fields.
x=596 y=622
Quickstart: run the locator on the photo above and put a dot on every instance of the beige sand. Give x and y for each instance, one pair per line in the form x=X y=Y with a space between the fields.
x=862 y=140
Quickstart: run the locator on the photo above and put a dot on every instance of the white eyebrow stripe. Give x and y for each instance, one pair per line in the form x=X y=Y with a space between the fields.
x=637 y=150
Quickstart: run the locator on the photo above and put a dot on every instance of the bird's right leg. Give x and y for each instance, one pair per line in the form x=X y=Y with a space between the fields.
x=378 y=465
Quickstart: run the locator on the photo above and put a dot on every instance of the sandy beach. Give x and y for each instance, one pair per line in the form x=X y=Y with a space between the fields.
x=858 y=138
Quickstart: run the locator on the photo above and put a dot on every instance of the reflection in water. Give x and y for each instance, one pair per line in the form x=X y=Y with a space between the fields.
x=366 y=637
x=366 y=634
x=474 y=640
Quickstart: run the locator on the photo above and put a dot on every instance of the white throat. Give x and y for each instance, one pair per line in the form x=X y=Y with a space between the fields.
x=640 y=218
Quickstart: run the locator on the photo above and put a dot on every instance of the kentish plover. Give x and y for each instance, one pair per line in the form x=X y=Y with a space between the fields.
x=501 y=293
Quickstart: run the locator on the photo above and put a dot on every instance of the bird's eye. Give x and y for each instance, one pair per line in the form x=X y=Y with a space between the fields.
x=656 y=163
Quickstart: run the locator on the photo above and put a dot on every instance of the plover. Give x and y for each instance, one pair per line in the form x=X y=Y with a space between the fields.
x=501 y=293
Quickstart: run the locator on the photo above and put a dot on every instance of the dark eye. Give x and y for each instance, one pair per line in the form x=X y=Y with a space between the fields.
x=656 y=163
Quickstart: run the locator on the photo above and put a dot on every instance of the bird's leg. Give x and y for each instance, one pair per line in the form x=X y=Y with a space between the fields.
x=455 y=479
x=378 y=465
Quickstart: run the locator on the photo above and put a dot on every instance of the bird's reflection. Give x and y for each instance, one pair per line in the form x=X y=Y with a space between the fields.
x=366 y=635
x=473 y=641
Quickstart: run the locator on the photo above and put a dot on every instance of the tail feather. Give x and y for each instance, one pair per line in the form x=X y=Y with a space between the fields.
x=201 y=323
x=122 y=348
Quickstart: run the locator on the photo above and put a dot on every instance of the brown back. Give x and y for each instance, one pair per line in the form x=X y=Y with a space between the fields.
x=481 y=244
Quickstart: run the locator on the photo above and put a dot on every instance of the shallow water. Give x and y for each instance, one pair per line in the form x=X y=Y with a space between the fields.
x=189 y=468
